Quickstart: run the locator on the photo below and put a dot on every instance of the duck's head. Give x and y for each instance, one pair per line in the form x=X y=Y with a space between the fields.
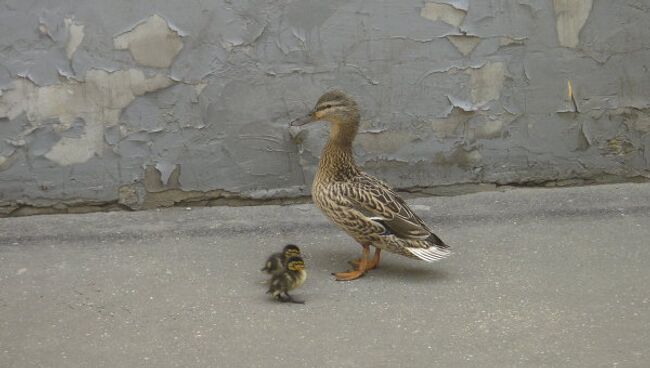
x=334 y=107
x=295 y=264
x=291 y=250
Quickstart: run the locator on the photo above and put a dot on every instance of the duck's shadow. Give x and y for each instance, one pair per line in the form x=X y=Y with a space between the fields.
x=411 y=274
x=390 y=267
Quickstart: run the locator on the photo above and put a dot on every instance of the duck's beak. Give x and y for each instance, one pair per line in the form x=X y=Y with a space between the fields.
x=303 y=120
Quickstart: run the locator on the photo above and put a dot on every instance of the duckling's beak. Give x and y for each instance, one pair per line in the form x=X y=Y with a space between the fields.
x=303 y=120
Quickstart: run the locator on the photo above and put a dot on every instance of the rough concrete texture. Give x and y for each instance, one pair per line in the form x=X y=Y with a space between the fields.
x=99 y=100
x=538 y=278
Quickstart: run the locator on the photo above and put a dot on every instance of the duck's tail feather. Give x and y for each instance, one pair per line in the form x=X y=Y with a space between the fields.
x=436 y=241
x=430 y=254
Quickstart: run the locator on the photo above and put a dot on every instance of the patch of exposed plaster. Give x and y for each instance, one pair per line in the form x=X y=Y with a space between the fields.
x=75 y=36
x=452 y=125
x=584 y=137
x=385 y=142
x=487 y=82
x=98 y=100
x=152 y=43
x=509 y=41
x=156 y=180
x=641 y=121
x=488 y=130
x=157 y=194
x=43 y=29
x=634 y=119
x=127 y=195
x=570 y=17
x=464 y=44
x=199 y=87
x=459 y=156
x=464 y=105
x=470 y=125
x=618 y=146
x=443 y=12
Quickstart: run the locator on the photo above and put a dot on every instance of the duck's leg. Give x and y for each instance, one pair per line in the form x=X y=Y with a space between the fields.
x=372 y=264
x=360 y=269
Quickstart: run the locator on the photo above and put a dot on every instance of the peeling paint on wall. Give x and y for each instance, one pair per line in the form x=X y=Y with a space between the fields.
x=104 y=105
x=490 y=129
x=98 y=100
x=571 y=16
x=386 y=142
x=508 y=41
x=152 y=42
x=486 y=82
x=443 y=12
x=460 y=157
x=166 y=169
x=75 y=36
x=453 y=125
x=464 y=44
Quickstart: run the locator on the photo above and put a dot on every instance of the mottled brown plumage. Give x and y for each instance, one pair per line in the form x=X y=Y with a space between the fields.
x=363 y=206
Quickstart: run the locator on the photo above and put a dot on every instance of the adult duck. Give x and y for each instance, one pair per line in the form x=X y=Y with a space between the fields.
x=366 y=208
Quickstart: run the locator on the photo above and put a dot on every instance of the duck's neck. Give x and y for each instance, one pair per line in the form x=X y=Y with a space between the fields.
x=337 y=161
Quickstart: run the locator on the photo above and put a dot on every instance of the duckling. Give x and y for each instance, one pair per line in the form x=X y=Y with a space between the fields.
x=276 y=262
x=292 y=277
x=366 y=208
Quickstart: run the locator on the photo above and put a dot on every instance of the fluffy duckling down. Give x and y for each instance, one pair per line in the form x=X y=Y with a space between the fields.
x=292 y=277
x=277 y=261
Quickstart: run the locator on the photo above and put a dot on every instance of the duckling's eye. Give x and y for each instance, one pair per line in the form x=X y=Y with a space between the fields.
x=326 y=107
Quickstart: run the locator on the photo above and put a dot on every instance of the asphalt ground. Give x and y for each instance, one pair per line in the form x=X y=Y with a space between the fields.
x=539 y=278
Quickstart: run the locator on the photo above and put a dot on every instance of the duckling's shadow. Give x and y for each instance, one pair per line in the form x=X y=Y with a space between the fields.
x=390 y=268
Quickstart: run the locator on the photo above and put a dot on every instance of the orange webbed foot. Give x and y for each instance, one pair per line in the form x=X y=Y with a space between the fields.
x=349 y=275
x=361 y=268
x=371 y=265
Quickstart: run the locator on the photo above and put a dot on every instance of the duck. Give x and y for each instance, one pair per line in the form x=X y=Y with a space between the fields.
x=290 y=278
x=276 y=261
x=363 y=206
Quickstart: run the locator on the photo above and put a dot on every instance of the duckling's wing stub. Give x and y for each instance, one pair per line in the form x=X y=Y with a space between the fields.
x=377 y=199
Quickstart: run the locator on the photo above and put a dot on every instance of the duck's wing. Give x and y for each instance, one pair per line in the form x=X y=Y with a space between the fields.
x=381 y=203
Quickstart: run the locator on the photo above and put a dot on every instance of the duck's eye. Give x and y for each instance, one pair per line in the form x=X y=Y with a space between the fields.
x=325 y=107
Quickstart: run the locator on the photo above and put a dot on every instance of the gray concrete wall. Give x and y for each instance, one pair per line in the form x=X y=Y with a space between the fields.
x=121 y=102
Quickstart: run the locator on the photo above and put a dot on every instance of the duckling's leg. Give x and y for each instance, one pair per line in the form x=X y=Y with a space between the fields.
x=372 y=264
x=360 y=269
x=289 y=298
